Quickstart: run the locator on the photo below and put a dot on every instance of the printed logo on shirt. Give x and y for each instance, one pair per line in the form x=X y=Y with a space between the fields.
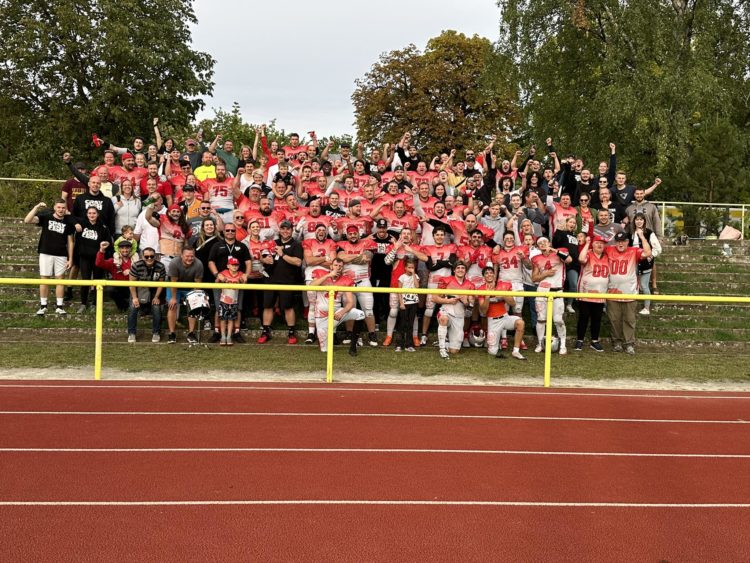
x=93 y=203
x=90 y=234
x=56 y=226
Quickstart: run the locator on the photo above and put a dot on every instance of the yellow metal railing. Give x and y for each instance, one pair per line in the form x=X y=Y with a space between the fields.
x=101 y=284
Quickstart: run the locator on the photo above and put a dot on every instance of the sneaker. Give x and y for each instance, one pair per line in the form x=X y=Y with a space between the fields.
x=597 y=346
x=60 y=311
x=347 y=339
x=644 y=312
x=131 y=338
x=155 y=338
x=617 y=348
x=518 y=356
x=41 y=311
x=570 y=309
x=223 y=340
x=539 y=348
x=229 y=341
x=465 y=343
x=387 y=341
x=417 y=341
x=579 y=346
x=373 y=340
x=630 y=350
x=410 y=349
x=444 y=354
x=504 y=344
x=207 y=325
x=215 y=337
x=172 y=338
x=238 y=338
x=191 y=338
x=523 y=345
x=291 y=339
x=398 y=348
x=423 y=340
x=310 y=338
x=81 y=310
x=563 y=350
x=360 y=342
x=263 y=338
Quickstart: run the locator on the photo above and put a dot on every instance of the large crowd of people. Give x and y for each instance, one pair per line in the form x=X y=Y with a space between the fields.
x=299 y=214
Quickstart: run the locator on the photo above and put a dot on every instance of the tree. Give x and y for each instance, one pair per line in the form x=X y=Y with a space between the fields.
x=659 y=77
x=74 y=67
x=446 y=96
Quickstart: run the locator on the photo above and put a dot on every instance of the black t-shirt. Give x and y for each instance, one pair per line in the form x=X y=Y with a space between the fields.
x=333 y=211
x=282 y=271
x=222 y=250
x=54 y=236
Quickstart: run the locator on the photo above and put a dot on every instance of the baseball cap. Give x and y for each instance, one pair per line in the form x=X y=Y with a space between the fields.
x=184 y=162
x=126 y=156
x=318 y=225
x=354 y=202
x=233 y=260
x=285 y=225
x=351 y=228
x=399 y=167
x=174 y=207
x=382 y=224
x=125 y=244
x=621 y=236
x=188 y=188
x=599 y=239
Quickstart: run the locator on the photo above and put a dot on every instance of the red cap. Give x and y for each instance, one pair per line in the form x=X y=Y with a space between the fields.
x=126 y=156
x=233 y=260
x=350 y=228
x=174 y=207
x=599 y=239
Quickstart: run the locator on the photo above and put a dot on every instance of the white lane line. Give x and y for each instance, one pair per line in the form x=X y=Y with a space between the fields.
x=377 y=503
x=373 y=415
x=336 y=389
x=374 y=450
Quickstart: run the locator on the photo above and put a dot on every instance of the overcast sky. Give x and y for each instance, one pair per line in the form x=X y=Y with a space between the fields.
x=297 y=61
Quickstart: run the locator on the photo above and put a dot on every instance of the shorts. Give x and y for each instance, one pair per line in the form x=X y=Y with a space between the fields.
x=52 y=266
x=228 y=312
x=217 y=297
x=455 y=330
x=181 y=295
x=286 y=299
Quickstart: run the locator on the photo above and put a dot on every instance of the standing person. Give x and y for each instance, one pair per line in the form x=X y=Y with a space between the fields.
x=645 y=265
x=185 y=269
x=407 y=304
x=452 y=310
x=623 y=278
x=319 y=253
x=127 y=207
x=594 y=278
x=566 y=237
x=173 y=230
x=498 y=320
x=229 y=300
x=55 y=249
x=90 y=233
x=143 y=299
x=73 y=187
x=548 y=271
x=285 y=268
x=380 y=271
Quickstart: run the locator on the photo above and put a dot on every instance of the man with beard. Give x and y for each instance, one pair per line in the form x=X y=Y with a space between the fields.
x=319 y=253
x=220 y=193
x=173 y=232
x=269 y=225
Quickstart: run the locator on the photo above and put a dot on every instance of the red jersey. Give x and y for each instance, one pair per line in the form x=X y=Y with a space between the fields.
x=552 y=260
x=308 y=229
x=477 y=258
x=257 y=249
x=498 y=307
x=360 y=180
x=321 y=306
x=450 y=282
x=357 y=271
x=416 y=178
x=346 y=197
x=510 y=264
x=317 y=249
x=442 y=252
x=397 y=223
x=220 y=194
x=623 y=270
x=390 y=199
x=363 y=223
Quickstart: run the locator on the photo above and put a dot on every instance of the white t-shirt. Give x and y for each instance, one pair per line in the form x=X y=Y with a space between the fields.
x=409 y=282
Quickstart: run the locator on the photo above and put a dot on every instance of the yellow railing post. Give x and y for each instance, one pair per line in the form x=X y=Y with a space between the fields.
x=548 y=342
x=663 y=219
x=329 y=339
x=99 y=329
x=742 y=222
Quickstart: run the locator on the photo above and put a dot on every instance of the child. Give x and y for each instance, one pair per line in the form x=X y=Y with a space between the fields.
x=127 y=234
x=407 y=303
x=228 y=300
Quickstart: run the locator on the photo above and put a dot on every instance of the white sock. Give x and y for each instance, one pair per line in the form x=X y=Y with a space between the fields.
x=562 y=332
x=540 y=326
x=516 y=350
x=390 y=323
x=60 y=302
x=442 y=333
x=415 y=327
x=43 y=301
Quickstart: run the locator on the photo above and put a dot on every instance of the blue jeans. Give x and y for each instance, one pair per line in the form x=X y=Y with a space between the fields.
x=571 y=281
x=532 y=304
x=133 y=318
x=645 y=280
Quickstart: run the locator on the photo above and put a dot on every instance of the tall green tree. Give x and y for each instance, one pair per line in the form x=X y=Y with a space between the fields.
x=455 y=93
x=659 y=77
x=73 y=67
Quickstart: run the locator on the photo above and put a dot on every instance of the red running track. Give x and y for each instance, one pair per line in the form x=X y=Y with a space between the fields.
x=687 y=453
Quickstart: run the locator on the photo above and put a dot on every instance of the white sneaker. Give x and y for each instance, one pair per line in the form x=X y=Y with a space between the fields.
x=517 y=355
x=644 y=312
x=465 y=343
x=398 y=348
x=156 y=338
x=570 y=309
x=360 y=343
x=423 y=340
x=563 y=350
x=61 y=311
x=444 y=354
x=131 y=338
x=539 y=348
x=41 y=311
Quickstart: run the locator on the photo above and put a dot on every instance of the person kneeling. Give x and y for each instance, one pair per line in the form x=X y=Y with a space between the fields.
x=498 y=319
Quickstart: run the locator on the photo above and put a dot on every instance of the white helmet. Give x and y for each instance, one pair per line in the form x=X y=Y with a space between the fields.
x=477 y=338
x=555 y=344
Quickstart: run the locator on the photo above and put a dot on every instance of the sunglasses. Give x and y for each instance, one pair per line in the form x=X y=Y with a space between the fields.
x=230 y=230
x=149 y=257
x=205 y=208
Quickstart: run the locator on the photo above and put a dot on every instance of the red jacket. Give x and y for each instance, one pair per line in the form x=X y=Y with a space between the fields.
x=121 y=272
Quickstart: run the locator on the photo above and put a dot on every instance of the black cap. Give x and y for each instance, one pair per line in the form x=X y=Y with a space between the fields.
x=621 y=236
x=79 y=166
x=286 y=224
x=185 y=162
x=354 y=202
x=125 y=244
x=188 y=188
x=399 y=167
x=382 y=224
